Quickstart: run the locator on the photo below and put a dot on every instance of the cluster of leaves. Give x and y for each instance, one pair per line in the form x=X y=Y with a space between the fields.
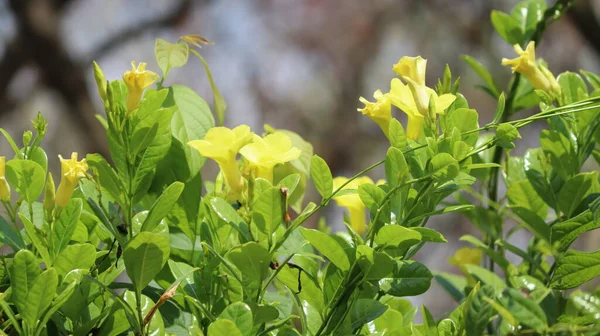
x=199 y=263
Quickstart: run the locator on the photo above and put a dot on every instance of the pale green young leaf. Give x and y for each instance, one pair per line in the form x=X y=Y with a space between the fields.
x=27 y=177
x=592 y=78
x=109 y=179
x=397 y=236
x=563 y=157
x=463 y=119
x=430 y=235
x=500 y=107
x=144 y=257
x=321 y=175
x=170 y=55
x=528 y=13
x=453 y=284
x=226 y=212
x=328 y=247
x=486 y=277
x=505 y=135
x=40 y=296
x=573 y=88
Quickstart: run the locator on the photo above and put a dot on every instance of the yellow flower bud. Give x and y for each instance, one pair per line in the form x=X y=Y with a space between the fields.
x=540 y=77
x=380 y=111
x=4 y=187
x=71 y=171
x=413 y=68
x=137 y=80
x=265 y=153
x=222 y=145
x=100 y=81
x=352 y=202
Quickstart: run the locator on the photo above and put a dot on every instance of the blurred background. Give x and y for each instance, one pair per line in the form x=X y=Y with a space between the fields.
x=299 y=65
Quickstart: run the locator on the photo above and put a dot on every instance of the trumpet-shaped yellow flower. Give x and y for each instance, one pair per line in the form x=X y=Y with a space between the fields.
x=403 y=99
x=137 y=80
x=4 y=187
x=413 y=68
x=540 y=77
x=71 y=171
x=265 y=153
x=222 y=145
x=466 y=256
x=380 y=111
x=352 y=202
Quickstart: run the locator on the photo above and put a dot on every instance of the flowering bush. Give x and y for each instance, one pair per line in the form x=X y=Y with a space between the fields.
x=232 y=257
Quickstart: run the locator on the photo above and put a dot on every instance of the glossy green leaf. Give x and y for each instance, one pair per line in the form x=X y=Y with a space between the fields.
x=397 y=236
x=526 y=311
x=563 y=156
x=65 y=225
x=40 y=296
x=397 y=135
x=156 y=325
x=533 y=222
x=573 y=88
x=241 y=314
x=144 y=257
x=430 y=235
x=409 y=278
x=575 y=268
x=328 y=247
x=321 y=175
x=443 y=167
x=463 y=119
x=223 y=328
x=252 y=260
x=566 y=232
x=505 y=135
x=522 y=194
x=592 y=78
x=533 y=286
x=162 y=206
x=507 y=27
x=226 y=212
x=268 y=210
x=390 y=322
x=575 y=190
x=76 y=256
x=537 y=169
x=170 y=55
x=528 y=13
x=26 y=177
x=479 y=312
x=24 y=270
x=396 y=169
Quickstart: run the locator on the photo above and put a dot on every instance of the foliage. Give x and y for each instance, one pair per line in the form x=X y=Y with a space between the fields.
x=141 y=243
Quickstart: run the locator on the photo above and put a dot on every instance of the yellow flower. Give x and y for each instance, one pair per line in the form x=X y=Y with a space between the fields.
x=413 y=68
x=265 y=153
x=352 y=202
x=222 y=145
x=4 y=187
x=137 y=80
x=403 y=99
x=71 y=171
x=466 y=256
x=380 y=111
x=540 y=77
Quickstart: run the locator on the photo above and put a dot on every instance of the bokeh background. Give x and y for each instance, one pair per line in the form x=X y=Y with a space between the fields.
x=296 y=64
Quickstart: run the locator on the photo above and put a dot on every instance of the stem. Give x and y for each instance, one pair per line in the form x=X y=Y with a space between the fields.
x=138 y=299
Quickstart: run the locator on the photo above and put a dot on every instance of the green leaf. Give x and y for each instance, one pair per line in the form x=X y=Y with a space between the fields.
x=486 y=277
x=526 y=311
x=563 y=156
x=396 y=168
x=12 y=143
x=40 y=296
x=430 y=235
x=506 y=134
x=537 y=170
x=397 y=236
x=24 y=270
x=252 y=260
x=575 y=190
x=328 y=247
x=241 y=314
x=27 y=177
x=170 y=55
x=163 y=204
x=409 y=278
x=573 y=88
x=226 y=212
x=397 y=135
x=507 y=27
x=586 y=303
x=531 y=285
x=443 y=167
x=76 y=256
x=36 y=239
x=453 y=284
x=391 y=323
x=522 y=194
x=109 y=179
x=191 y=120
x=592 y=78
x=528 y=13
x=223 y=328
x=65 y=225
x=463 y=119
x=144 y=257
x=479 y=312
x=365 y=311
x=156 y=325
x=218 y=101
x=566 y=232
x=486 y=76
x=9 y=235
x=575 y=268
x=268 y=210
x=500 y=107
x=533 y=222
x=321 y=175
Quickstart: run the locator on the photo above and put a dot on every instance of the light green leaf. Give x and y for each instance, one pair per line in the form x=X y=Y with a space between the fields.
x=397 y=135
x=500 y=107
x=533 y=286
x=443 y=167
x=397 y=170
x=537 y=169
x=226 y=212
x=218 y=101
x=522 y=194
x=486 y=277
x=528 y=13
x=592 y=78
x=109 y=179
x=321 y=175
x=241 y=314
x=575 y=268
x=23 y=271
x=506 y=134
x=390 y=323
x=563 y=156
x=453 y=284
x=27 y=177
x=575 y=190
x=397 y=236
x=40 y=296
x=162 y=206
x=526 y=311
x=170 y=55
x=507 y=27
x=566 y=232
x=533 y=222
x=409 y=278
x=479 y=312
x=252 y=260
x=223 y=328
x=9 y=235
x=463 y=119
x=35 y=238
x=76 y=256
x=573 y=88
x=268 y=210
x=430 y=235
x=65 y=225
x=144 y=257
x=328 y=247
x=483 y=74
